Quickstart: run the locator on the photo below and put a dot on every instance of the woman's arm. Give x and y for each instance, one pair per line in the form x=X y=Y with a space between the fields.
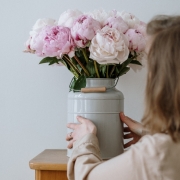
x=85 y=156
x=85 y=161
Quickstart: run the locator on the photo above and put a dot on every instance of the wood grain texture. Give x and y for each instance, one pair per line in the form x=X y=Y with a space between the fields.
x=50 y=159
x=38 y=175
x=53 y=175
x=93 y=89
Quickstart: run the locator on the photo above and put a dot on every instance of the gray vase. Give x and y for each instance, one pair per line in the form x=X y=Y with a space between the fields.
x=103 y=110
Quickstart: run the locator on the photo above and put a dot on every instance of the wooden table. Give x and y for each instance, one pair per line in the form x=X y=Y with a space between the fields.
x=51 y=164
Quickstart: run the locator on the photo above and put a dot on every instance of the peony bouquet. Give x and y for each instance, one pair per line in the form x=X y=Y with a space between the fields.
x=97 y=44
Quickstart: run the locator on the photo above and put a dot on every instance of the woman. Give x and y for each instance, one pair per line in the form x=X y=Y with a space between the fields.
x=156 y=155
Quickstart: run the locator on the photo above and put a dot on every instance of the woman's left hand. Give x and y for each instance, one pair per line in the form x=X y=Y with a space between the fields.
x=79 y=130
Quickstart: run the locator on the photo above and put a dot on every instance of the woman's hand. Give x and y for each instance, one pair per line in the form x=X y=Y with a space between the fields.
x=80 y=130
x=134 y=130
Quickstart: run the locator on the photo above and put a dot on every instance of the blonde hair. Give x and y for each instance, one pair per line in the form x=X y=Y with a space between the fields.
x=162 y=112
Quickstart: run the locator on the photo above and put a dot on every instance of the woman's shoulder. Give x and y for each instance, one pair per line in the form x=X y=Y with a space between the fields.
x=157 y=155
x=158 y=139
x=157 y=146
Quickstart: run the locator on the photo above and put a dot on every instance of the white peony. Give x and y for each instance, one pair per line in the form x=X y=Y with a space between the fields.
x=28 y=45
x=100 y=15
x=68 y=17
x=109 y=46
x=130 y=19
x=40 y=24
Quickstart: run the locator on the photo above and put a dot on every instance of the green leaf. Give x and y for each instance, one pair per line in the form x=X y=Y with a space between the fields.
x=136 y=62
x=78 y=53
x=123 y=68
x=125 y=63
x=71 y=85
x=91 y=69
x=117 y=70
x=103 y=70
x=80 y=83
x=124 y=71
x=48 y=60
x=53 y=62
x=132 y=55
x=77 y=84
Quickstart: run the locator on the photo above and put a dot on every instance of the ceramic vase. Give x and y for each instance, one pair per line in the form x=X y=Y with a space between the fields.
x=103 y=110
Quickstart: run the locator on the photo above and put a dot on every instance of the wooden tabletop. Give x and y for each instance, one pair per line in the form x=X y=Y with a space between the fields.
x=50 y=159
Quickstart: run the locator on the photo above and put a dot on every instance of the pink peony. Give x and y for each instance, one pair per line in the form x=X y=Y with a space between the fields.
x=84 y=29
x=37 y=27
x=136 y=40
x=141 y=28
x=117 y=23
x=53 y=42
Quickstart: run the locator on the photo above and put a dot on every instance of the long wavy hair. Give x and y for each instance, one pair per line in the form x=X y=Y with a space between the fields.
x=162 y=100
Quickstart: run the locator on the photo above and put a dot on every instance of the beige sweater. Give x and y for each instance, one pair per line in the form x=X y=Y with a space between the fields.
x=154 y=157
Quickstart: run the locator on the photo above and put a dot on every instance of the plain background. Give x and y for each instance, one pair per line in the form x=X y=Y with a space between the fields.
x=33 y=98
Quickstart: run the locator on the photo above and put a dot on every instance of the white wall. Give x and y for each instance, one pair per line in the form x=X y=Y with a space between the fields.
x=33 y=97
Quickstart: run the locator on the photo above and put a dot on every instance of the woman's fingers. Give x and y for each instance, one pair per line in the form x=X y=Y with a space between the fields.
x=70 y=144
x=69 y=136
x=126 y=129
x=128 y=121
x=128 y=144
x=81 y=119
x=71 y=125
x=128 y=136
x=134 y=121
x=80 y=129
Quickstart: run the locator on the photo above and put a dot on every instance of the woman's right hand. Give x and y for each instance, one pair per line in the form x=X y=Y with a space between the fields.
x=134 y=130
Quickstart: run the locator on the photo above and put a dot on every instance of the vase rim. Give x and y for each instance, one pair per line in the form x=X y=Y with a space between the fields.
x=101 y=78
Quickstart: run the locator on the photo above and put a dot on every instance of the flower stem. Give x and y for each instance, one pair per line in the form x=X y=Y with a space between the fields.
x=79 y=62
x=107 y=69
x=73 y=70
x=96 y=69
x=73 y=65
x=85 y=55
x=112 y=70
